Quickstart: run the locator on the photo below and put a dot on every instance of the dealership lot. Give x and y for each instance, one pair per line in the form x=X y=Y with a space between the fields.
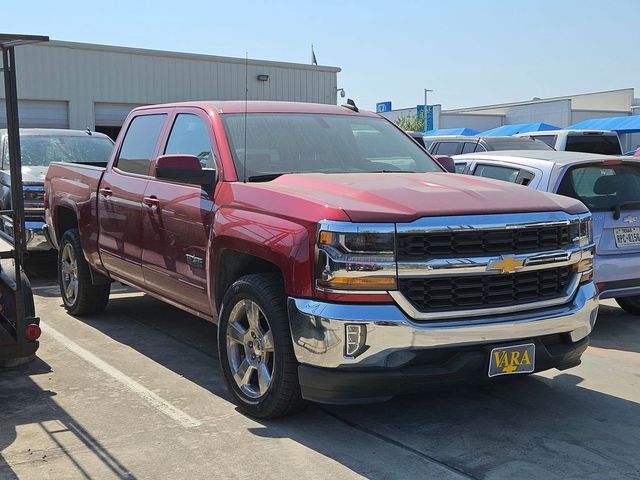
x=137 y=392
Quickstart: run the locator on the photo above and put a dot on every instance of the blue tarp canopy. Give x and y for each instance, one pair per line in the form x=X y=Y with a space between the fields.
x=451 y=131
x=617 y=124
x=506 y=130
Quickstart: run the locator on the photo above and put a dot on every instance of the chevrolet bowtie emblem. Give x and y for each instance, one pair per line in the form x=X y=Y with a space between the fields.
x=505 y=264
x=630 y=219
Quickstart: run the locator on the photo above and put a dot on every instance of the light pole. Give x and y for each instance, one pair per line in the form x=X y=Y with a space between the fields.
x=424 y=127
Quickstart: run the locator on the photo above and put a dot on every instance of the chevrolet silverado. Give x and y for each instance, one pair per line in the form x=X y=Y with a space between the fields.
x=340 y=262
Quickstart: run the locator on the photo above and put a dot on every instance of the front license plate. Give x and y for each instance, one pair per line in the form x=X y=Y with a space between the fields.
x=512 y=359
x=627 y=237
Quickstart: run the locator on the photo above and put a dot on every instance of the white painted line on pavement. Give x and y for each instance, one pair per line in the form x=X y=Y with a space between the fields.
x=150 y=397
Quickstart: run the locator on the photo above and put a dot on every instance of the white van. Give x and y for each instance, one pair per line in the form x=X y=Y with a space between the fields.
x=589 y=141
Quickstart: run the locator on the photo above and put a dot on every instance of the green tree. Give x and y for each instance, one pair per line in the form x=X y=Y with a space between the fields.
x=411 y=123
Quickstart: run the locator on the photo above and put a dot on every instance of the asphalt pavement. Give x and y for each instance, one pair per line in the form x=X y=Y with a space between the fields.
x=137 y=393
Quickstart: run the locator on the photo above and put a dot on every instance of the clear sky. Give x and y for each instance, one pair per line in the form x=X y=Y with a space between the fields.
x=469 y=52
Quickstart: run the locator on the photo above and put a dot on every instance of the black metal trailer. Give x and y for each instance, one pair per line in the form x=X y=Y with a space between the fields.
x=19 y=326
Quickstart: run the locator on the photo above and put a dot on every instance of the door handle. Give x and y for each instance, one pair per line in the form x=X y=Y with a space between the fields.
x=106 y=192
x=151 y=201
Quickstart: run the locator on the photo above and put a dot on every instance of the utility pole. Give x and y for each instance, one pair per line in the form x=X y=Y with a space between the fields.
x=424 y=127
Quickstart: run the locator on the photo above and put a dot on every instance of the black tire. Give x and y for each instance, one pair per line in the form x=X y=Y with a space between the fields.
x=7 y=300
x=88 y=298
x=630 y=304
x=282 y=397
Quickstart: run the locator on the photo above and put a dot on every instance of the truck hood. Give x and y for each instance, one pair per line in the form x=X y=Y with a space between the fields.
x=33 y=174
x=403 y=197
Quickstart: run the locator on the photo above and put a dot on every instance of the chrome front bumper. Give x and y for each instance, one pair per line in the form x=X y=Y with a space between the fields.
x=392 y=338
x=36 y=240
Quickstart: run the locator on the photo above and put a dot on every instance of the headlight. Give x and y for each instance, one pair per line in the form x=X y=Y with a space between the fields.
x=356 y=257
x=583 y=232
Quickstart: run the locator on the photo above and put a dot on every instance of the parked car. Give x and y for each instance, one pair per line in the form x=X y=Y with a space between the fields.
x=337 y=272
x=609 y=186
x=38 y=148
x=459 y=144
x=588 y=141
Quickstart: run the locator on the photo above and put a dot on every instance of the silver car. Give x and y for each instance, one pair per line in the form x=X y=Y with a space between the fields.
x=609 y=186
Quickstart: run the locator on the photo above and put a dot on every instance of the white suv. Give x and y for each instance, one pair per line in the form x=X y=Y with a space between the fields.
x=589 y=141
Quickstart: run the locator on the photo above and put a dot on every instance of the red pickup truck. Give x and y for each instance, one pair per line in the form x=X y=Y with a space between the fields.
x=339 y=260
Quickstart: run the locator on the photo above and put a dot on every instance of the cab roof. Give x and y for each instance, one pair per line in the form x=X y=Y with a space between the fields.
x=551 y=156
x=253 y=106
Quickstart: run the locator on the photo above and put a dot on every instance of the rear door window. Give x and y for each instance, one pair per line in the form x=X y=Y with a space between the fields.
x=602 y=187
x=140 y=143
x=604 y=144
x=469 y=147
x=447 y=148
x=498 y=173
x=460 y=166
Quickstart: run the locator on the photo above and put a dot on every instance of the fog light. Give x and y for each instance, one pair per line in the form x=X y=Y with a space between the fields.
x=356 y=337
x=32 y=332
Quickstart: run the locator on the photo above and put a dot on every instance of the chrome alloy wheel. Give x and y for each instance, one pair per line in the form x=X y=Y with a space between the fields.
x=69 y=269
x=250 y=348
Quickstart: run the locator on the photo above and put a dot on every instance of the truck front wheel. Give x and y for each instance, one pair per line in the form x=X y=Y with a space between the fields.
x=254 y=344
x=79 y=294
x=630 y=304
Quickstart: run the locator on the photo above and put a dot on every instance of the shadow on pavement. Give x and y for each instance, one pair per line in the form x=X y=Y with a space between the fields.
x=533 y=426
x=24 y=404
x=523 y=428
x=618 y=331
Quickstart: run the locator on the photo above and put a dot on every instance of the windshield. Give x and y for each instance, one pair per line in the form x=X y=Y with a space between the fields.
x=40 y=151
x=604 y=144
x=303 y=143
x=517 y=145
x=601 y=187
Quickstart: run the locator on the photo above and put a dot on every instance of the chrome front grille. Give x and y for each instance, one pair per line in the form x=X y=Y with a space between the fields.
x=457 y=268
x=480 y=291
x=442 y=244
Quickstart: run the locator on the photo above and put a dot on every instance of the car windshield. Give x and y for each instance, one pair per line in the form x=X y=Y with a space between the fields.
x=603 y=144
x=517 y=145
x=600 y=186
x=40 y=151
x=279 y=143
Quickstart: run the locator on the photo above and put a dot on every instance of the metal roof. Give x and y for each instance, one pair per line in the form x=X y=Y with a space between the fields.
x=14 y=39
x=628 y=124
x=518 y=128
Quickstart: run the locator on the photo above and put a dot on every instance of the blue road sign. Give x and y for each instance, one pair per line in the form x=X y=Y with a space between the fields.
x=383 y=107
x=428 y=125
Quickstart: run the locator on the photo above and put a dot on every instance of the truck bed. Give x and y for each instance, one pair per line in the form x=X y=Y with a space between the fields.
x=73 y=186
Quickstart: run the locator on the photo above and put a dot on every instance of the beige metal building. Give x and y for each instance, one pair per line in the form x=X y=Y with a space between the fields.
x=78 y=85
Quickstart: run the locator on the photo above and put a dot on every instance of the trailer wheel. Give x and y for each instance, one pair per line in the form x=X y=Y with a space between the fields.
x=79 y=294
x=8 y=305
x=630 y=304
x=254 y=344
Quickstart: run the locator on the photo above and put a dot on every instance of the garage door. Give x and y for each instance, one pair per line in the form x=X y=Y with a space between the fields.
x=38 y=114
x=112 y=114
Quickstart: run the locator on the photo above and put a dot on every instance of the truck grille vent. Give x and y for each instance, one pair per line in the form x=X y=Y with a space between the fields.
x=479 y=291
x=423 y=246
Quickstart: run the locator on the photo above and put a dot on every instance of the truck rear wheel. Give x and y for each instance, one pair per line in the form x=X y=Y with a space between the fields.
x=254 y=344
x=630 y=304
x=79 y=294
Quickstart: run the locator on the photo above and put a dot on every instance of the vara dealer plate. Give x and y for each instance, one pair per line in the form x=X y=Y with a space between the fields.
x=512 y=359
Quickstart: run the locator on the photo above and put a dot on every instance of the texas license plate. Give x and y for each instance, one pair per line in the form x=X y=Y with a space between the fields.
x=627 y=237
x=512 y=359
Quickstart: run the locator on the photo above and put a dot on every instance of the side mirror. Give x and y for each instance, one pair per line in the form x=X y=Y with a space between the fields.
x=446 y=162
x=184 y=169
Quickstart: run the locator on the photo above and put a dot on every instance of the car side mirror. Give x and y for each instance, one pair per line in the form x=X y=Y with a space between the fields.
x=446 y=162
x=184 y=169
